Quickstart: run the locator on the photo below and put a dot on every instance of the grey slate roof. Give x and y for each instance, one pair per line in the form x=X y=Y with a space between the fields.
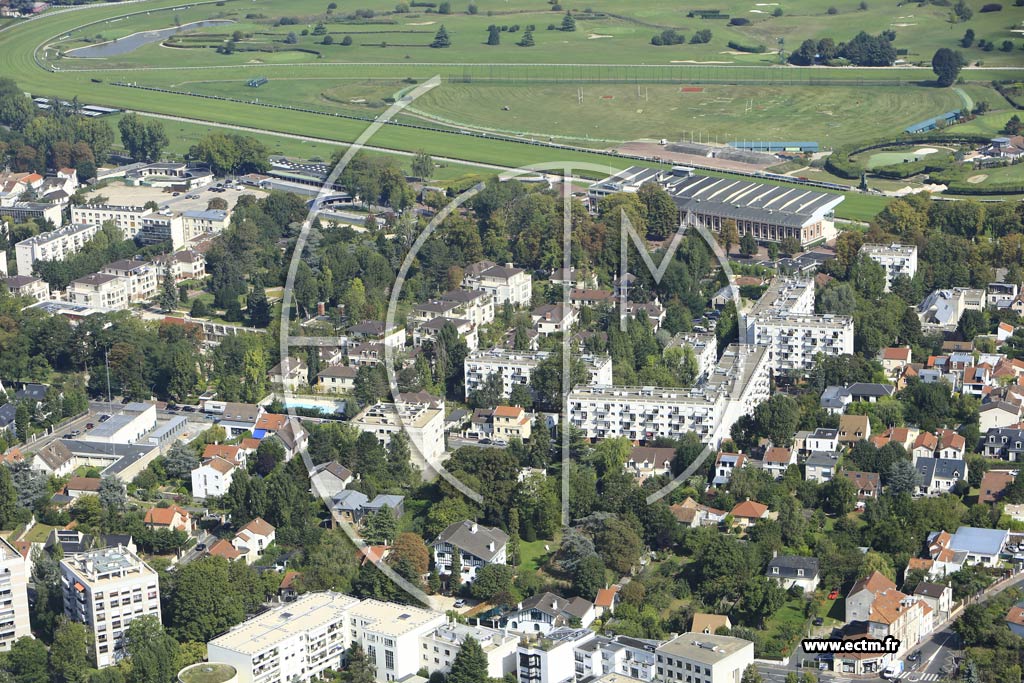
x=788 y=566
x=462 y=536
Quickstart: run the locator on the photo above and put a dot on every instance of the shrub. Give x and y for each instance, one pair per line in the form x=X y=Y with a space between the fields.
x=668 y=37
x=472 y=9
x=347 y=40
x=739 y=21
x=328 y=40
x=739 y=47
x=991 y=7
x=777 y=12
x=701 y=36
x=833 y=10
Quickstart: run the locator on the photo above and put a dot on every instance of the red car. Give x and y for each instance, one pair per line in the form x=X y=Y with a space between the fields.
x=834 y=594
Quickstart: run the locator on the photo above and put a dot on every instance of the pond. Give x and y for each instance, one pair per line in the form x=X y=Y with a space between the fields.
x=123 y=46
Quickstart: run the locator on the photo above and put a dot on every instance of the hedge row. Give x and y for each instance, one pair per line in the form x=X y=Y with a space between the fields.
x=912 y=168
x=839 y=163
x=1007 y=94
x=755 y=49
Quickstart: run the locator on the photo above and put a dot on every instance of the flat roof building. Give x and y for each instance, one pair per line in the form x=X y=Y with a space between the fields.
x=706 y=657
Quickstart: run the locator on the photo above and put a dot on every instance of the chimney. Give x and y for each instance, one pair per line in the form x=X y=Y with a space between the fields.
x=775 y=553
x=490 y=546
x=473 y=529
x=554 y=604
x=508 y=265
x=321 y=308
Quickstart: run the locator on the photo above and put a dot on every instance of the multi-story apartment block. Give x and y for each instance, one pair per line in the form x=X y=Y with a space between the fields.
x=738 y=384
x=163 y=227
x=550 y=658
x=703 y=658
x=516 y=367
x=897 y=259
x=127 y=218
x=423 y=424
x=299 y=640
x=187 y=264
x=632 y=657
x=105 y=590
x=440 y=646
x=140 y=278
x=14 y=621
x=794 y=340
x=504 y=283
x=55 y=245
x=783 y=320
x=100 y=290
x=26 y=285
x=1006 y=443
x=209 y=222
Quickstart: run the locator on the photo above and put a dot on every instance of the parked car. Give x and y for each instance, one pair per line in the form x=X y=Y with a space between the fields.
x=188 y=409
x=834 y=594
x=104 y=418
x=459 y=604
x=914 y=657
x=818 y=621
x=200 y=547
x=89 y=425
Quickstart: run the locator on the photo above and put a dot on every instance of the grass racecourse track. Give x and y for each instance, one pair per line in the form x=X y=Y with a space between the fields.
x=629 y=88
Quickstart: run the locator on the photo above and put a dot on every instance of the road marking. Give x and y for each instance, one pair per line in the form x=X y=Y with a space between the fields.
x=917 y=677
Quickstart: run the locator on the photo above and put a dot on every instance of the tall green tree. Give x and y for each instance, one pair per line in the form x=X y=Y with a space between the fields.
x=946 y=64
x=70 y=658
x=423 y=165
x=168 y=298
x=154 y=653
x=441 y=38
x=470 y=664
x=360 y=669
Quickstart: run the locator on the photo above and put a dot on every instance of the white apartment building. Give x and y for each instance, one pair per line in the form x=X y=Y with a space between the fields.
x=632 y=657
x=14 y=621
x=55 y=245
x=897 y=259
x=703 y=658
x=209 y=222
x=430 y=330
x=127 y=218
x=163 y=227
x=504 y=283
x=739 y=382
x=794 y=339
x=186 y=264
x=550 y=659
x=99 y=290
x=440 y=646
x=645 y=413
x=141 y=278
x=423 y=424
x=296 y=641
x=105 y=589
x=516 y=367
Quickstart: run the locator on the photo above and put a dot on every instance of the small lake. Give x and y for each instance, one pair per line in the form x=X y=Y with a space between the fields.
x=123 y=46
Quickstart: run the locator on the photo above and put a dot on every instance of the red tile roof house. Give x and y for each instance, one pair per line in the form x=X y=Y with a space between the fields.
x=748 y=513
x=173 y=517
x=82 y=486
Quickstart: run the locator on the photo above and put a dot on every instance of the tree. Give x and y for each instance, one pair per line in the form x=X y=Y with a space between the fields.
x=180 y=461
x=16 y=110
x=840 y=495
x=328 y=40
x=589 y=576
x=422 y=165
x=946 y=64
x=144 y=139
x=113 y=495
x=360 y=669
x=69 y=654
x=470 y=664
x=660 y=211
x=748 y=245
x=202 y=601
x=526 y=40
x=258 y=307
x=154 y=653
x=27 y=661
x=291 y=38
x=494 y=583
x=455 y=577
x=751 y=675
x=493 y=35
x=346 y=41
x=962 y=11
x=968 y=38
x=1013 y=126
x=441 y=39
x=168 y=299
x=381 y=526
x=409 y=547
x=568 y=23
x=729 y=234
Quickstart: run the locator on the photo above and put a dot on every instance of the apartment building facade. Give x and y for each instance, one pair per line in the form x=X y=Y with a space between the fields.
x=516 y=367
x=128 y=219
x=897 y=259
x=703 y=658
x=54 y=245
x=14 y=617
x=105 y=590
x=100 y=290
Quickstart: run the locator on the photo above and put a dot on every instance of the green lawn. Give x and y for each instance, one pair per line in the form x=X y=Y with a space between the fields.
x=532 y=555
x=38 y=533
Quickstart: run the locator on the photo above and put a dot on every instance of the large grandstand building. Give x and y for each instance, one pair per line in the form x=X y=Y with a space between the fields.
x=770 y=213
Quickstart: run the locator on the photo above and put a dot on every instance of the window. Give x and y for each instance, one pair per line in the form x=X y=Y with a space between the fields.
x=389 y=659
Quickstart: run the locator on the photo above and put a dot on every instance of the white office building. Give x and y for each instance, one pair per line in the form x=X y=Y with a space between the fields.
x=516 y=367
x=55 y=245
x=14 y=620
x=297 y=641
x=424 y=426
x=129 y=426
x=105 y=590
x=703 y=658
x=897 y=259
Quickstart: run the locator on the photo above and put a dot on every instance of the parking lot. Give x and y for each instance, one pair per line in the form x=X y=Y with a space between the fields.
x=119 y=194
